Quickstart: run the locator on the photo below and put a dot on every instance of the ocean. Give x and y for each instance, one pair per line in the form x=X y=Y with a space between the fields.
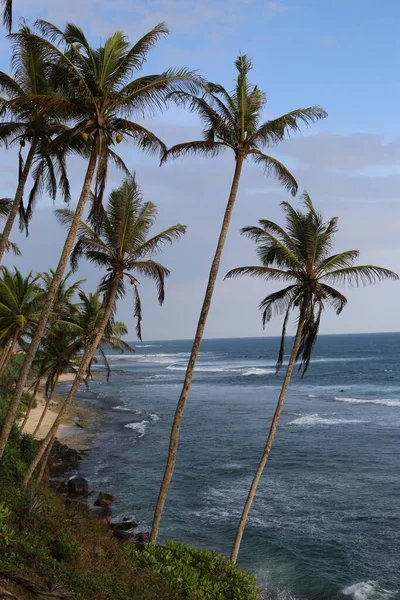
x=326 y=520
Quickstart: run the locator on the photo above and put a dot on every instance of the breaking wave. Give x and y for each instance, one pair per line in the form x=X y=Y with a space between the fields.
x=383 y=402
x=139 y=427
x=368 y=590
x=317 y=420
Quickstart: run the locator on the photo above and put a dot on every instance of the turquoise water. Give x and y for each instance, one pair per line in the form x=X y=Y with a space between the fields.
x=326 y=520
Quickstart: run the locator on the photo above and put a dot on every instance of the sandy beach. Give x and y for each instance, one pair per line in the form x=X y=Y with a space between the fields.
x=73 y=428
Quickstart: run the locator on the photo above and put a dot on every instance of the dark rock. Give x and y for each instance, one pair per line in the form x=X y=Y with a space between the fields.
x=77 y=486
x=124 y=525
x=104 y=500
x=63 y=459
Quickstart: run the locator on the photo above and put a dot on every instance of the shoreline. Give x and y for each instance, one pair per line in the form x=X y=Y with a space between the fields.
x=74 y=428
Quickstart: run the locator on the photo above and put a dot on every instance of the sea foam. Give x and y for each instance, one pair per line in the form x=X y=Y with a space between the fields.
x=315 y=419
x=384 y=402
x=368 y=590
x=139 y=427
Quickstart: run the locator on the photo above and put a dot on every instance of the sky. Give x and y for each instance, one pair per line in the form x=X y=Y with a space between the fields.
x=341 y=55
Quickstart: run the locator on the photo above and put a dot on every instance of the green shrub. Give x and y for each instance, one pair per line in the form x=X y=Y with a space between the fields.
x=20 y=448
x=196 y=574
x=6 y=532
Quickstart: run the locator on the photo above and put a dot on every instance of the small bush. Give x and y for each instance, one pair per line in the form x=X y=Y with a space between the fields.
x=6 y=532
x=20 y=449
x=196 y=574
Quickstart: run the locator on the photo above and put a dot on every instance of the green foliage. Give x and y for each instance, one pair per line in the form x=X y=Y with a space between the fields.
x=195 y=574
x=6 y=532
x=21 y=447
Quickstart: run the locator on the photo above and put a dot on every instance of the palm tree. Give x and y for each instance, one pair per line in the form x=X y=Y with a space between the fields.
x=233 y=121
x=20 y=303
x=300 y=255
x=85 y=323
x=101 y=96
x=30 y=125
x=120 y=246
x=64 y=303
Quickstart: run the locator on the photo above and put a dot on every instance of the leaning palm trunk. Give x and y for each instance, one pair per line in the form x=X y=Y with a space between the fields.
x=8 y=352
x=41 y=326
x=31 y=403
x=45 y=459
x=83 y=367
x=268 y=445
x=174 y=437
x=17 y=200
x=46 y=406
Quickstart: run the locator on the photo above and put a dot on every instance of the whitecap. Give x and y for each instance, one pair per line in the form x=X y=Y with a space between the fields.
x=154 y=417
x=148 y=346
x=257 y=371
x=388 y=370
x=315 y=419
x=313 y=396
x=127 y=409
x=368 y=590
x=384 y=402
x=139 y=427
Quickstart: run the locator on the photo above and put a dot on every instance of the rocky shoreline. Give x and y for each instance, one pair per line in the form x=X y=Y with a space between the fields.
x=77 y=495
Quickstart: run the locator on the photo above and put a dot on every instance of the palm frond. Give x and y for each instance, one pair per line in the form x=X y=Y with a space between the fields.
x=360 y=275
x=275 y=167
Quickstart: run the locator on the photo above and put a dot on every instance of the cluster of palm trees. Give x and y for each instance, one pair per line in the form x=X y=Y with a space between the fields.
x=66 y=97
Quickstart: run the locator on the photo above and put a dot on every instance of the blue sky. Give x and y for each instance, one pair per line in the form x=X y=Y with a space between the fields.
x=341 y=55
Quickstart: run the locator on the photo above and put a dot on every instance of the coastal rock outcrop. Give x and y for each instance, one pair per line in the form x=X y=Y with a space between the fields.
x=77 y=486
x=104 y=499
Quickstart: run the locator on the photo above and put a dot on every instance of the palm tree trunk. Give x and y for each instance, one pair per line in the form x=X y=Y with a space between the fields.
x=31 y=403
x=8 y=354
x=174 y=437
x=46 y=406
x=41 y=326
x=45 y=459
x=17 y=199
x=83 y=367
x=268 y=445
x=4 y=354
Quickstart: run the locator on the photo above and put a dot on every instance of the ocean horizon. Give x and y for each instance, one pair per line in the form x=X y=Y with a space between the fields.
x=325 y=522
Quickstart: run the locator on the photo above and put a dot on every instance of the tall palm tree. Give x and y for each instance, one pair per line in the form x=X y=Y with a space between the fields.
x=21 y=125
x=299 y=255
x=20 y=303
x=120 y=245
x=233 y=121
x=101 y=97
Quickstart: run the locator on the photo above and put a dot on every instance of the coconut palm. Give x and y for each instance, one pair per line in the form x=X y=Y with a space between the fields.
x=233 y=121
x=29 y=125
x=299 y=255
x=20 y=304
x=85 y=323
x=121 y=246
x=64 y=303
x=101 y=98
